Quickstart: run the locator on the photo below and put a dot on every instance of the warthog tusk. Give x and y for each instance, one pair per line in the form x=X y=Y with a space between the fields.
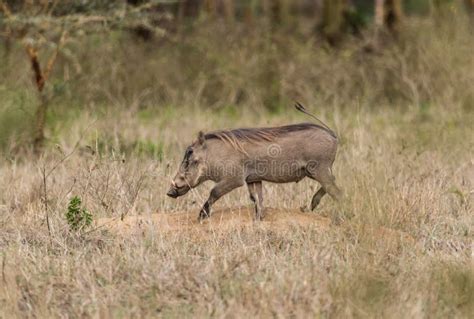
x=173 y=183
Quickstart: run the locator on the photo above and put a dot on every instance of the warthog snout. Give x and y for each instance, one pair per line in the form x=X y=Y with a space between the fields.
x=176 y=191
x=172 y=193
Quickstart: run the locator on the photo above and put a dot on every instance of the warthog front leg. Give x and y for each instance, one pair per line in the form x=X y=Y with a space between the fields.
x=219 y=190
x=256 y=195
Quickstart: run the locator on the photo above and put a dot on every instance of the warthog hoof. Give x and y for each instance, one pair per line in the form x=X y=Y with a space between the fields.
x=203 y=215
x=260 y=216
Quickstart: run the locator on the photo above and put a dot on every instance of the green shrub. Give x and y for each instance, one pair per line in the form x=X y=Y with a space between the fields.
x=77 y=216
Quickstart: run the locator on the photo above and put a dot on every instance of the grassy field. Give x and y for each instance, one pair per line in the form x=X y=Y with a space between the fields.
x=413 y=177
x=405 y=163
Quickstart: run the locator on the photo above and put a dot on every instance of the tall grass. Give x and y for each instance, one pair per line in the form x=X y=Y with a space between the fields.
x=120 y=122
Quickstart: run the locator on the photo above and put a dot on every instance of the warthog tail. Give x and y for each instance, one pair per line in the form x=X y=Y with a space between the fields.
x=302 y=109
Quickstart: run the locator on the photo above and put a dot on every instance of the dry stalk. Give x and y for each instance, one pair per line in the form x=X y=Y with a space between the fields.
x=45 y=200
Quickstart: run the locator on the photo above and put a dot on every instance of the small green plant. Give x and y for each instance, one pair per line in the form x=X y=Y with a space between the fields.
x=77 y=216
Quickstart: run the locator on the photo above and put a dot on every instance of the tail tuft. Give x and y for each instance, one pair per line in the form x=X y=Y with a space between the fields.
x=302 y=109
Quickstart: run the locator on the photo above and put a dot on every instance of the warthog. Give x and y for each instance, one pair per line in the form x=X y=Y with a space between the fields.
x=232 y=158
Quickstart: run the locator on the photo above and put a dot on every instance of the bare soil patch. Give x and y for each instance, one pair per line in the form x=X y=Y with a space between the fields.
x=225 y=220
x=222 y=219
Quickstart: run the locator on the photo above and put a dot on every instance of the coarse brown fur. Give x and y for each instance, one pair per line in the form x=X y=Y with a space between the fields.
x=232 y=158
x=261 y=134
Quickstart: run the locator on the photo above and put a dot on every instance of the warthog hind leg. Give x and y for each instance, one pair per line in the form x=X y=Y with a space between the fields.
x=219 y=190
x=317 y=198
x=328 y=185
x=256 y=195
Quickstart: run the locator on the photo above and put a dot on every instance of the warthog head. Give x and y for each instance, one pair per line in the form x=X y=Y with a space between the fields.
x=191 y=171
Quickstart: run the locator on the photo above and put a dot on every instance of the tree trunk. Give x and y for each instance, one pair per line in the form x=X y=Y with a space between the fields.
x=40 y=77
x=249 y=12
x=393 y=15
x=470 y=10
x=379 y=13
x=333 y=20
x=40 y=115
x=229 y=10
x=388 y=14
x=286 y=7
x=188 y=9
x=40 y=122
x=211 y=8
x=277 y=12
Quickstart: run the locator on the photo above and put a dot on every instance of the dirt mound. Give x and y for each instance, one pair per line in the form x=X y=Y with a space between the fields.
x=222 y=219
x=229 y=219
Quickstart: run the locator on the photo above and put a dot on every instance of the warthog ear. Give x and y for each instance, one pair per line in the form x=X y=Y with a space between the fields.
x=201 y=138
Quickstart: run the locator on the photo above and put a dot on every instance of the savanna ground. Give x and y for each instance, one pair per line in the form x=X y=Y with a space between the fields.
x=117 y=129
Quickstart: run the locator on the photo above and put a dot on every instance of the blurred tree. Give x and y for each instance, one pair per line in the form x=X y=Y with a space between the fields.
x=210 y=7
x=188 y=9
x=470 y=10
x=393 y=15
x=44 y=27
x=333 y=21
x=229 y=10
x=250 y=10
x=388 y=14
x=220 y=8
x=338 y=18
x=379 y=17
x=276 y=12
x=145 y=30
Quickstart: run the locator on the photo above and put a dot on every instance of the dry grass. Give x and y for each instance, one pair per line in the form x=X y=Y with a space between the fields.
x=398 y=185
x=405 y=248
